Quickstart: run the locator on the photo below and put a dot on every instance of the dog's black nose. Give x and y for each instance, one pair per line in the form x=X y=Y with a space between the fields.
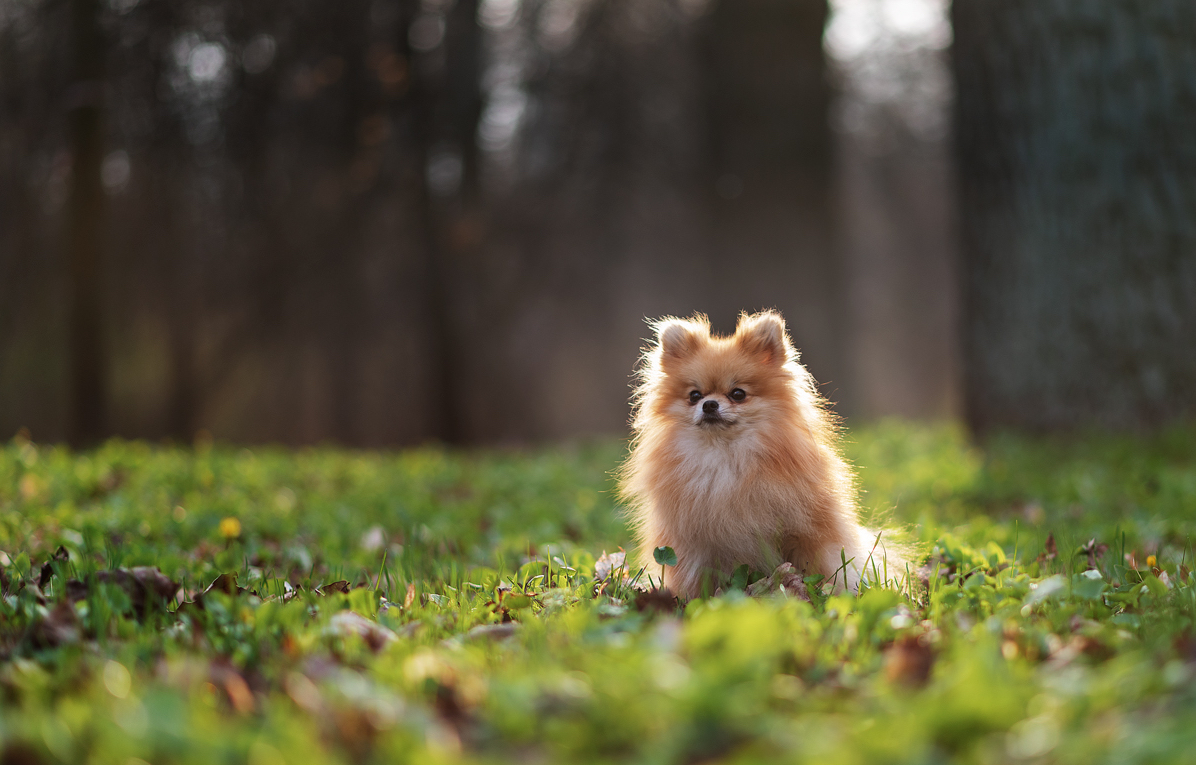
x=710 y=407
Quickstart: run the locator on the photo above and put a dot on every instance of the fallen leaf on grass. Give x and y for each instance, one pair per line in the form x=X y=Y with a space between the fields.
x=1185 y=646
x=145 y=586
x=20 y=753
x=609 y=563
x=236 y=689
x=1077 y=646
x=373 y=539
x=348 y=623
x=341 y=586
x=226 y=583
x=60 y=626
x=60 y=555
x=504 y=612
x=785 y=579
x=304 y=692
x=656 y=601
x=909 y=660
x=492 y=631
x=927 y=570
x=1094 y=552
x=1050 y=550
x=1052 y=587
x=355 y=731
x=1078 y=623
x=410 y=630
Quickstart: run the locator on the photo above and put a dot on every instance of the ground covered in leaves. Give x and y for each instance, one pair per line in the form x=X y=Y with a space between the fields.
x=222 y=605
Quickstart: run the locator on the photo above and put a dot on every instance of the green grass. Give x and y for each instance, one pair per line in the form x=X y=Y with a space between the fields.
x=1007 y=654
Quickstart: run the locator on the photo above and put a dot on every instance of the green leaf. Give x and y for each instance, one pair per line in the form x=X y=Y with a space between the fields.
x=1155 y=585
x=739 y=578
x=1133 y=621
x=974 y=582
x=517 y=602
x=665 y=556
x=364 y=601
x=1085 y=586
x=1051 y=587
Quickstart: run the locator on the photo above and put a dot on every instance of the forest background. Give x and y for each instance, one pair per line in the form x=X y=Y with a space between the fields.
x=384 y=222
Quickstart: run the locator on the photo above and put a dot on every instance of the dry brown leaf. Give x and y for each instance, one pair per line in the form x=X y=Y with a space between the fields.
x=609 y=563
x=145 y=586
x=656 y=601
x=348 y=623
x=341 y=586
x=909 y=660
x=784 y=579
x=224 y=676
x=59 y=627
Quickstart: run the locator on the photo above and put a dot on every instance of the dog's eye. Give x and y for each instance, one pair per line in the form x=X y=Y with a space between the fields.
x=738 y=394
x=695 y=396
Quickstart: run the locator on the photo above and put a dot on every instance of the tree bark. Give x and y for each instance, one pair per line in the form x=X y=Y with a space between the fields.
x=771 y=154
x=446 y=103
x=1074 y=123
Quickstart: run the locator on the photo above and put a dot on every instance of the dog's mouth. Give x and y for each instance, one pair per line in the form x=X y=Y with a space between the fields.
x=713 y=420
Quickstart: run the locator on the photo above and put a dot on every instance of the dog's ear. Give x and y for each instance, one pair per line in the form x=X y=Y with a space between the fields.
x=678 y=338
x=763 y=334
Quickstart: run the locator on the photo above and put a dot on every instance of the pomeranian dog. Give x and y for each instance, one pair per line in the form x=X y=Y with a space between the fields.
x=734 y=461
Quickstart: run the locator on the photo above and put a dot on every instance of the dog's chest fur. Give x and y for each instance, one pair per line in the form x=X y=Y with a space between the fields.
x=726 y=505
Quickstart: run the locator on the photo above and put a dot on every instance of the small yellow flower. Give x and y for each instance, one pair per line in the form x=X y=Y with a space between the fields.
x=230 y=527
x=1152 y=561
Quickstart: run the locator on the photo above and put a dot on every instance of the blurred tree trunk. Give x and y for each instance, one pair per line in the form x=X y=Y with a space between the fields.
x=1075 y=122
x=184 y=253
x=771 y=161
x=446 y=101
x=85 y=227
x=182 y=314
x=342 y=326
x=462 y=99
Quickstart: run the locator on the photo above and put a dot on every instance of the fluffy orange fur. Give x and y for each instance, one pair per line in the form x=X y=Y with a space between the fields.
x=734 y=460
